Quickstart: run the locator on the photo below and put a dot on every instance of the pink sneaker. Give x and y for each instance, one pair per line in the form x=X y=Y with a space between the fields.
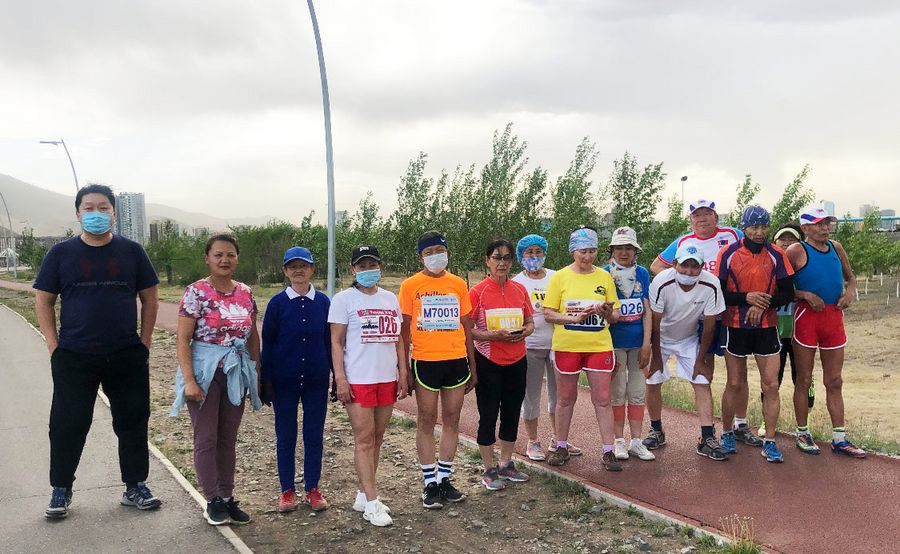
x=316 y=501
x=535 y=452
x=288 y=501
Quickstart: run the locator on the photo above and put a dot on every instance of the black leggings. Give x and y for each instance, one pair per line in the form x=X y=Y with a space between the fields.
x=500 y=391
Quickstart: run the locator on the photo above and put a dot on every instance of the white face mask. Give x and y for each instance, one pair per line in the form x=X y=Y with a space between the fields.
x=686 y=280
x=436 y=262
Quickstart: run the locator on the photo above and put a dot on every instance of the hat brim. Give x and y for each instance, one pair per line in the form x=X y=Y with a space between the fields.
x=356 y=260
x=683 y=259
x=307 y=260
x=626 y=243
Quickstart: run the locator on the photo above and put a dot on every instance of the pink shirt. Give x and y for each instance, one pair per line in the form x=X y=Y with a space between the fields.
x=221 y=317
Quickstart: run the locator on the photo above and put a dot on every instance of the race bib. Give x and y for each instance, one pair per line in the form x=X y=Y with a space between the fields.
x=537 y=299
x=592 y=322
x=440 y=313
x=504 y=318
x=378 y=326
x=632 y=310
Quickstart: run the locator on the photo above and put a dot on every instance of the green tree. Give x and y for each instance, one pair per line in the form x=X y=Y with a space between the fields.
x=675 y=225
x=635 y=193
x=746 y=193
x=795 y=197
x=30 y=251
x=572 y=203
x=164 y=252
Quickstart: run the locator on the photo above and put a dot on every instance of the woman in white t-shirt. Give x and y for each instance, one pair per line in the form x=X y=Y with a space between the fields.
x=531 y=251
x=369 y=369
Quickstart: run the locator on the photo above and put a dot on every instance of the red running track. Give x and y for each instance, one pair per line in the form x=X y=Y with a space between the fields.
x=809 y=504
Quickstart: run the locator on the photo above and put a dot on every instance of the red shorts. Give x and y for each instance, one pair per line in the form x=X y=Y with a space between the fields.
x=570 y=363
x=375 y=394
x=824 y=330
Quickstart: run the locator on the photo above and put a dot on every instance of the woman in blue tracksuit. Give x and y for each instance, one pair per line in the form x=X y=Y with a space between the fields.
x=296 y=367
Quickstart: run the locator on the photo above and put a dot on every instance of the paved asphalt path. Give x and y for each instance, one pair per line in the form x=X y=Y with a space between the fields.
x=96 y=522
x=809 y=504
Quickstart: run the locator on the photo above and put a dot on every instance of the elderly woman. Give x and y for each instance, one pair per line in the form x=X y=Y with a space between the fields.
x=218 y=347
x=582 y=302
x=296 y=368
x=369 y=370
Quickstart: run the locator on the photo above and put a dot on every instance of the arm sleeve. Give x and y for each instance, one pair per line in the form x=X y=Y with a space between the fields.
x=784 y=292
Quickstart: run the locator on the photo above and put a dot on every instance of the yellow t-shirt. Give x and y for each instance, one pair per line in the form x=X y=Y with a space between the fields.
x=436 y=306
x=570 y=293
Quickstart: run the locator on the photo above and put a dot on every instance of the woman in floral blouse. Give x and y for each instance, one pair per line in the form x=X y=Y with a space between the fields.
x=218 y=349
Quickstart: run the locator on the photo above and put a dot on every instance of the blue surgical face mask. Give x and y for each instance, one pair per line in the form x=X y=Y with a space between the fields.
x=533 y=264
x=369 y=277
x=96 y=223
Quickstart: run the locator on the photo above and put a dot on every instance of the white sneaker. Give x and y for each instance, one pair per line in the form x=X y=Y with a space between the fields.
x=360 y=503
x=641 y=451
x=378 y=516
x=620 y=450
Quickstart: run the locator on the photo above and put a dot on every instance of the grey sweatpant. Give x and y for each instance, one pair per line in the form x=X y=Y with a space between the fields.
x=539 y=364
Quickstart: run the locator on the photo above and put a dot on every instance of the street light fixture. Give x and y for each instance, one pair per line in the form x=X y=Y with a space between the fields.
x=329 y=153
x=12 y=242
x=72 y=165
x=683 y=179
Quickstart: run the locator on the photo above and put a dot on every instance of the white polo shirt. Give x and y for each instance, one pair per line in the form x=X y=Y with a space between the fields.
x=682 y=310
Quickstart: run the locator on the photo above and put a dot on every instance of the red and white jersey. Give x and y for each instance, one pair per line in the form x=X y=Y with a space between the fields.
x=724 y=236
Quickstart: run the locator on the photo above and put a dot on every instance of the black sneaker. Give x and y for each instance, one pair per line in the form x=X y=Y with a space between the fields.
x=711 y=448
x=746 y=436
x=216 y=511
x=431 y=497
x=237 y=515
x=60 y=500
x=654 y=440
x=141 y=498
x=449 y=492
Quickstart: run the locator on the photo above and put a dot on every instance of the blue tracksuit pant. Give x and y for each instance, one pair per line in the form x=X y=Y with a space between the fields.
x=313 y=395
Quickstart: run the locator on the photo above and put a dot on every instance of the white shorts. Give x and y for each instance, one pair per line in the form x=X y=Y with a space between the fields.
x=685 y=355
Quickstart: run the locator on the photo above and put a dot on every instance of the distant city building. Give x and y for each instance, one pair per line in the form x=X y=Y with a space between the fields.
x=162 y=228
x=341 y=216
x=888 y=224
x=200 y=231
x=828 y=206
x=131 y=216
x=866 y=209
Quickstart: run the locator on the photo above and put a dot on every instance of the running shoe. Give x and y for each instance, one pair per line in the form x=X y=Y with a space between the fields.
x=216 y=512
x=377 y=515
x=140 y=497
x=744 y=434
x=315 y=500
x=449 y=492
x=711 y=449
x=728 y=444
x=235 y=514
x=559 y=456
x=655 y=439
x=535 y=452
x=359 y=504
x=847 y=448
x=288 y=501
x=620 y=449
x=641 y=452
x=573 y=450
x=806 y=444
x=610 y=463
x=491 y=480
x=431 y=497
x=771 y=453
x=60 y=500
x=509 y=472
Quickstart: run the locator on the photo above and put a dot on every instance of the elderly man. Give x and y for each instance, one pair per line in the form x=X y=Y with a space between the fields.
x=98 y=275
x=709 y=238
x=825 y=287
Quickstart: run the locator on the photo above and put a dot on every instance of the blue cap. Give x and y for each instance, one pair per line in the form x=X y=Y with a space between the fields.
x=754 y=215
x=530 y=240
x=298 y=253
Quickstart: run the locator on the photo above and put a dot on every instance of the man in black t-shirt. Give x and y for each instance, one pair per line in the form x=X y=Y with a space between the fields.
x=97 y=276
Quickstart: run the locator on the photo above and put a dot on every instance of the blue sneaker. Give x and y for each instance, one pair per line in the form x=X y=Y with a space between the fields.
x=771 y=453
x=847 y=448
x=728 y=443
x=60 y=500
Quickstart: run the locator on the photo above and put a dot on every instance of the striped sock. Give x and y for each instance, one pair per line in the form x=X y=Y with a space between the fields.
x=803 y=429
x=428 y=474
x=444 y=470
x=838 y=434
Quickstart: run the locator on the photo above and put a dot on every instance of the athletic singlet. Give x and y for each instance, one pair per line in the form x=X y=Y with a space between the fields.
x=822 y=275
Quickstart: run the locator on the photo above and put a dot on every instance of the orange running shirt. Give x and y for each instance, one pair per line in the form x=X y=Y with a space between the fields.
x=743 y=271
x=435 y=305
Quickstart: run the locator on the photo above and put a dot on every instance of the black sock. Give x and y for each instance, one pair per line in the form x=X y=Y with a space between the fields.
x=129 y=486
x=656 y=425
x=707 y=432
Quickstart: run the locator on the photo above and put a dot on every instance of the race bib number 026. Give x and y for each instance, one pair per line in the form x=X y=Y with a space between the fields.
x=504 y=318
x=440 y=313
x=632 y=309
x=592 y=322
x=378 y=326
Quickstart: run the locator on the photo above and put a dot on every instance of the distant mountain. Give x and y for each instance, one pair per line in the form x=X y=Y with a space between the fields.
x=51 y=213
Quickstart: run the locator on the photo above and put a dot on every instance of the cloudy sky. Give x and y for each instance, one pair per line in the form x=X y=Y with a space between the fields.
x=215 y=106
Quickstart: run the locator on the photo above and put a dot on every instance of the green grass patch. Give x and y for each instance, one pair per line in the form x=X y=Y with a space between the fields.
x=403 y=422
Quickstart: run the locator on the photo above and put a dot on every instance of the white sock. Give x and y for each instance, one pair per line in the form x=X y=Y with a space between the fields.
x=371 y=505
x=444 y=470
x=738 y=421
x=635 y=443
x=428 y=473
x=838 y=434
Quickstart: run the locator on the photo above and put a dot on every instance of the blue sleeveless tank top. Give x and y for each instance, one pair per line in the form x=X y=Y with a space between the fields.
x=822 y=274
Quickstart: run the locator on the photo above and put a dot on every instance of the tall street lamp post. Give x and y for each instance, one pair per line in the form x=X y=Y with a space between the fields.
x=329 y=153
x=11 y=246
x=72 y=165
